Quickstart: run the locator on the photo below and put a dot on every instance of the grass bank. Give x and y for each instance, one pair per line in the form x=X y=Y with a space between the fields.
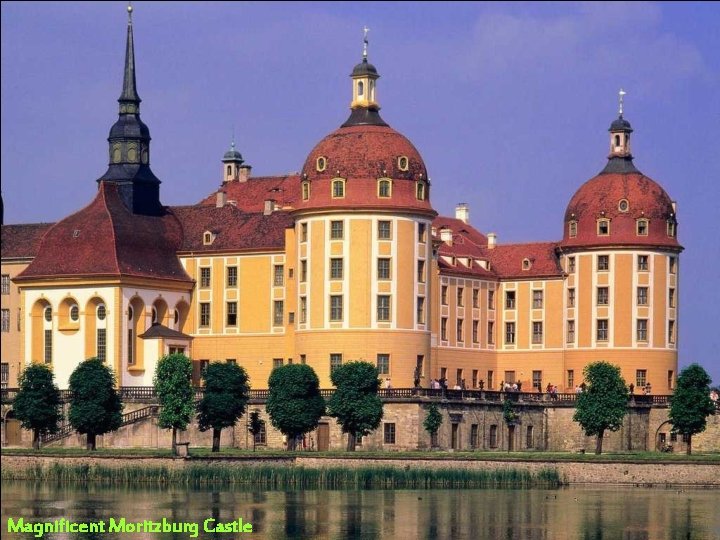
x=270 y=477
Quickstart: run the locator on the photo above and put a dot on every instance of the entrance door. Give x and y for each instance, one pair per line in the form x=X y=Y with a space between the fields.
x=323 y=433
x=13 y=431
x=455 y=436
x=511 y=438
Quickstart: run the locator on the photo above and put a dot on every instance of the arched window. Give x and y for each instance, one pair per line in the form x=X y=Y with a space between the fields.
x=420 y=191
x=229 y=170
x=338 y=188
x=361 y=89
x=48 y=314
x=617 y=140
x=384 y=188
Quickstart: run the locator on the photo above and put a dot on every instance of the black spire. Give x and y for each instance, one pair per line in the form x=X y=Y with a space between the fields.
x=129 y=140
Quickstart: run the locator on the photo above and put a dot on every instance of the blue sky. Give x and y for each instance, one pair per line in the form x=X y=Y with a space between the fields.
x=509 y=104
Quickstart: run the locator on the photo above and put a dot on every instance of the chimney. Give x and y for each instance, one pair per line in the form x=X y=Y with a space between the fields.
x=244 y=173
x=446 y=235
x=462 y=212
x=220 y=199
x=492 y=240
x=269 y=207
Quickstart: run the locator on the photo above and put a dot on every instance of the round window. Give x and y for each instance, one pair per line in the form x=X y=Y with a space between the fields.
x=623 y=205
x=74 y=313
x=101 y=313
x=48 y=314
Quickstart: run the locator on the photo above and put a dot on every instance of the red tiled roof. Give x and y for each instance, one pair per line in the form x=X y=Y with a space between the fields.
x=22 y=241
x=600 y=197
x=106 y=239
x=507 y=260
x=250 y=196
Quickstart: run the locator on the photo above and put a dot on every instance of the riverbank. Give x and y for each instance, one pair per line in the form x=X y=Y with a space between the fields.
x=357 y=470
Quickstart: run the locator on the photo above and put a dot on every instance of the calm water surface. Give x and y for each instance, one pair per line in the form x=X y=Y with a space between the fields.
x=583 y=513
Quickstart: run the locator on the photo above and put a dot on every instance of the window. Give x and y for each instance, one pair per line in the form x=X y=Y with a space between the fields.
x=48 y=314
x=154 y=317
x=336 y=308
x=493 y=436
x=443 y=328
x=670 y=378
x=204 y=277
x=383 y=269
x=303 y=271
x=640 y=377
x=642 y=263
x=383 y=307
x=570 y=378
x=303 y=359
x=230 y=361
x=537 y=332
x=671 y=331
x=338 y=189
x=671 y=228
x=5 y=327
x=603 y=262
x=602 y=296
x=642 y=227
x=672 y=264
x=336 y=268
x=420 y=191
x=130 y=347
x=529 y=437
x=421 y=271
x=305 y=191
x=603 y=227
x=204 y=314
x=336 y=230
x=460 y=326
x=570 y=332
x=278 y=312
x=232 y=314
x=537 y=299
x=403 y=163
x=510 y=377
x=422 y=232
x=5 y=287
x=510 y=300
x=420 y=310
x=642 y=296
x=48 y=346
x=260 y=438
x=279 y=275
x=101 y=312
x=671 y=298
x=277 y=362
x=232 y=276
x=571 y=265
x=526 y=264
x=491 y=299
x=623 y=205
x=475 y=336
x=335 y=361
x=602 y=330
x=476 y=298
x=443 y=295
x=208 y=238
x=537 y=380
x=490 y=381
x=4 y=375
x=460 y=291
x=321 y=164
x=510 y=333
x=473 y=435
x=384 y=230
x=642 y=329
x=572 y=229
x=475 y=374
x=571 y=297
x=101 y=344
x=383 y=364
x=384 y=187
x=303 y=232
x=389 y=432
x=303 y=309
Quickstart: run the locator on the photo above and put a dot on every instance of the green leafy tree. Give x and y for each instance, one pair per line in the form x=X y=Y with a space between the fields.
x=175 y=392
x=95 y=406
x=355 y=403
x=226 y=395
x=510 y=415
x=294 y=402
x=603 y=403
x=255 y=426
x=37 y=404
x=433 y=421
x=690 y=405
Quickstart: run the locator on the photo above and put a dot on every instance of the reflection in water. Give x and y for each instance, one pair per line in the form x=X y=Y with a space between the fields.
x=572 y=513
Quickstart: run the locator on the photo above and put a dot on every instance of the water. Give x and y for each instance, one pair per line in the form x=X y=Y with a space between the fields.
x=569 y=513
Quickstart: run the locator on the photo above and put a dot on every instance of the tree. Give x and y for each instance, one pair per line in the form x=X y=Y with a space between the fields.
x=175 y=392
x=255 y=426
x=294 y=402
x=433 y=421
x=37 y=404
x=690 y=405
x=510 y=415
x=355 y=403
x=603 y=403
x=95 y=406
x=226 y=395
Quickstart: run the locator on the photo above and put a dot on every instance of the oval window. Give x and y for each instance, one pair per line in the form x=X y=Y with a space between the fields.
x=74 y=313
x=623 y=205
x=48 y=314
x=101 y=313
x=403 y=163
x=321 y=164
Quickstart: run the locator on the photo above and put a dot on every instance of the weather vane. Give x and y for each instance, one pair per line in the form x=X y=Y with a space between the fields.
x=365 y=42
x=621 y=93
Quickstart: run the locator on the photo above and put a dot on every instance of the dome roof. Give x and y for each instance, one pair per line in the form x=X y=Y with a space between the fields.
x=620 y=124
x=364 y=68
x=623 y=199
x=232 y=155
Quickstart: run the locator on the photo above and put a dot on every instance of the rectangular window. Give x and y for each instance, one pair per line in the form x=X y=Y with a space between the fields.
x=510 y=300
x=230 y=361
x=475 y=336
x=232 y=276
x=338 y=189
x=336 y=308
x=291 y=317
x=537 y=299
x=473 y=435
x=303 y=359
x=279 y=275
x=383 y=364
x=460 y=326
x=420 y=365
x=490 y=380
x=422 y=228
x=671 y=331
x=570 y=378
x=642 y=227
x=303 y=232
x=336 y=268
x=336 y=230
x=603 y=227
x=602 y=329
x=671 y=297
x=303 y=309
x=603 y=294
x=537 y=332
x=421 y=310
x=5 y=284
x=670 y=377
x=277 y=362
x=460 y=301
x=642 y=263
x=510 y=377
x=571 y=297
x=204 y=314
x=537 y=380
x=48 y=346
x=421 y=271
x=278 y=312
x=642 y=329
x=491 y=299
x=443 y=295
x=476 y=298
x=204 y=277
x=491 y=332
x=571 y=265
x=383 y=269
x=130 y=347
x=459 y=377
x=493 y=436
x=203 y=366
x=571 y=331
x=303 y=271
x=232 y=314
x=384 y=230
x=603 y=262
x=672 y=264
x=383 y=307
x=510 y=333
x=389 y=433
x=529 y=443
x=101 y=344
x=5 y=320
x=335 y=361
x=261 y=436
x=4 y=375
x=640 y=377
x=642 y=296
x=443 y=329
x=475 y=374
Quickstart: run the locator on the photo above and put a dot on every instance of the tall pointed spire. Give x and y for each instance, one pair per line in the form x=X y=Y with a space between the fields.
x=129 y=97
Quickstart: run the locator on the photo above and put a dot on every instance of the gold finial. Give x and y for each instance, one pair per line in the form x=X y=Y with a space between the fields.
x=365 y=42
x=621 y=93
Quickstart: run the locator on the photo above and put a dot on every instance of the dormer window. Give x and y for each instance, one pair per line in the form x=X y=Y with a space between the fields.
x=384 y=188
x=572 y=229
x=526 y=264
x=642 y=227
x=321 y=164
x=671 y=228
x=338 y=188
x=420 y=191
x=208 y=238
x=603 y=227
x=403 y=163
x=305 y=191
x=623 y=205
